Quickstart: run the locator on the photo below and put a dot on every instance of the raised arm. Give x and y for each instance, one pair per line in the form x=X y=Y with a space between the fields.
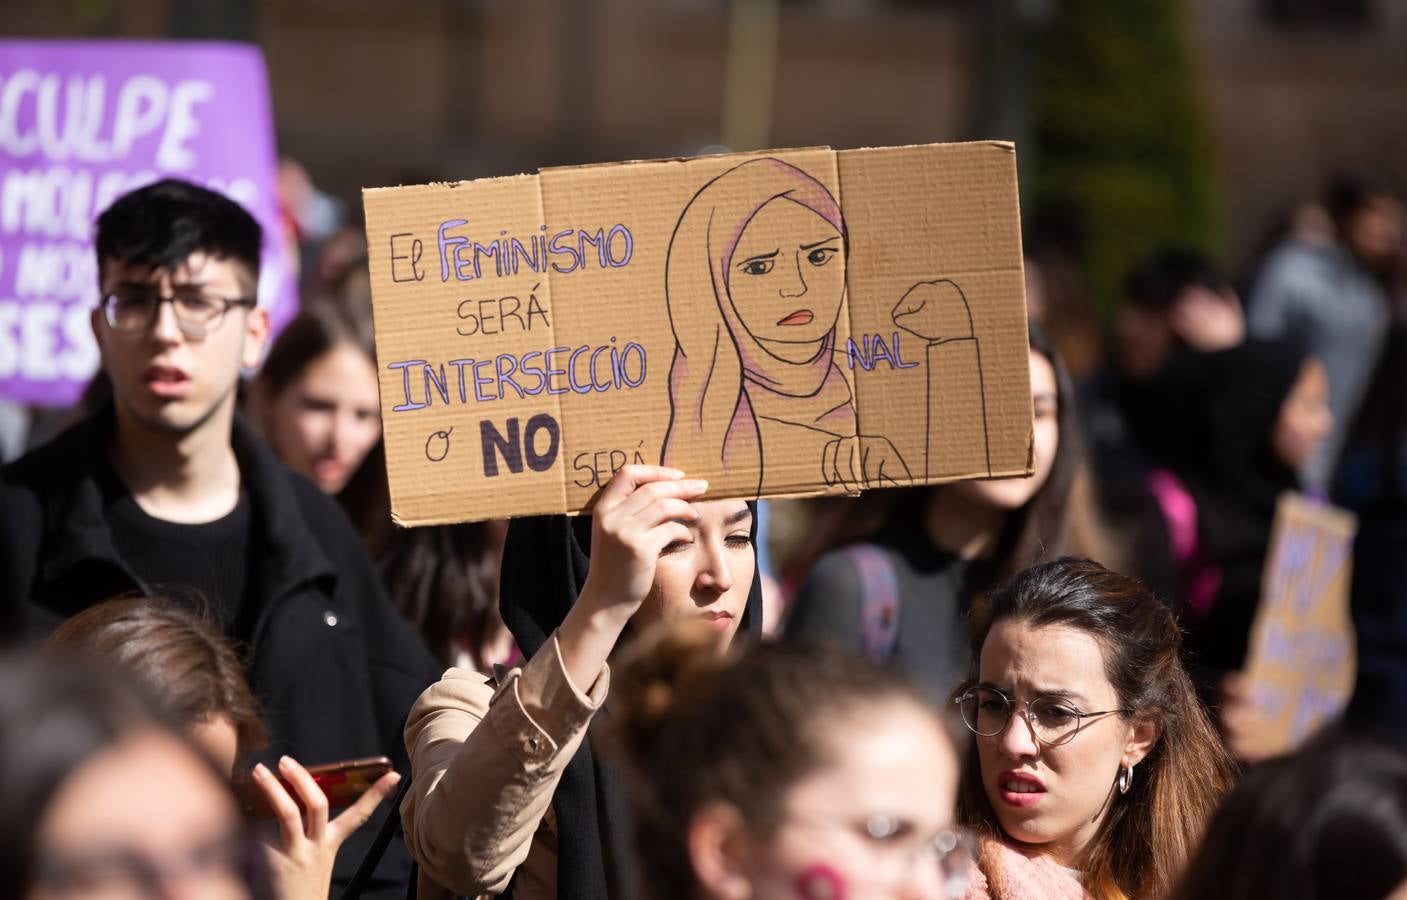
x=486 y=763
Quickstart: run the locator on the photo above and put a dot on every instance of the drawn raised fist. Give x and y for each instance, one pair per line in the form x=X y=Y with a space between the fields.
x=934 y=311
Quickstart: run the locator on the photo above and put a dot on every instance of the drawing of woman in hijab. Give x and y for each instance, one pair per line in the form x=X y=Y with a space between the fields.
x=755 y=281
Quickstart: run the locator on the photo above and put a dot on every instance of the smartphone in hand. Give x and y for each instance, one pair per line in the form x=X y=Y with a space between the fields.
x=342 y=782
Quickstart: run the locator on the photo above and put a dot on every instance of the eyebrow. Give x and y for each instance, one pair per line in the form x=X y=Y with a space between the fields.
x=759 y=256
x=829 y=240
x=175 y=285
x=1039 y=691
x=734 y=519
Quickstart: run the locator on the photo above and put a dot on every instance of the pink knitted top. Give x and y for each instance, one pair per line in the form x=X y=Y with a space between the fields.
x=1025 y=876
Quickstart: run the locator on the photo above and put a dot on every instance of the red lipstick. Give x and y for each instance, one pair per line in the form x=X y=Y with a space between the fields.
x=800 y=317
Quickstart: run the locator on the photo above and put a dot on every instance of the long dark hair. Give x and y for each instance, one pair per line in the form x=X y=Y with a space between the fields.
x=443 y=578
x=1050 y=524
x=318 y=328
x=1327 y=822
x=1149 y=833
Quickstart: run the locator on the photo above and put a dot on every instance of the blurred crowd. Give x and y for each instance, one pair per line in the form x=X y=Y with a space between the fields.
x=1012 y=688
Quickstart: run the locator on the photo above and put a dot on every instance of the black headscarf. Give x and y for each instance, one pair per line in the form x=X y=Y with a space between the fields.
x=545 y=562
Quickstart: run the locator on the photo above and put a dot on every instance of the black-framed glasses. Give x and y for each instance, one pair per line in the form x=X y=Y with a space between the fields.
x=1054 y=720
x=197 y=315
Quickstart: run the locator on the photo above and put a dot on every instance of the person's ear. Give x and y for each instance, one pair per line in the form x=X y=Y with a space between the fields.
x=1143 y=735
x=256 y=334
x=718 y=850
x=96 y=322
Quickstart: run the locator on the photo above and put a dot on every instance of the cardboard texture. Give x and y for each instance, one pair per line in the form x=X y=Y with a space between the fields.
x=785 y=323
x=1301 y=662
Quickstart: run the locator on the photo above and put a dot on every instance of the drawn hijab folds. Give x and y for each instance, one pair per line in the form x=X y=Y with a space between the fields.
x=755 y=282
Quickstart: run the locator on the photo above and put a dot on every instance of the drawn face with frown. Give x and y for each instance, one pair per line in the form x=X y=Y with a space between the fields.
x=787 y=275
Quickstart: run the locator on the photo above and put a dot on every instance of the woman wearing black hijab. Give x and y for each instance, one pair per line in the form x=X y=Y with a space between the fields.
x=1248 y=419
x=508 y=795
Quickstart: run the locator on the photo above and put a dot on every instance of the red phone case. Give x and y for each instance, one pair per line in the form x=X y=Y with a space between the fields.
x=341 y=782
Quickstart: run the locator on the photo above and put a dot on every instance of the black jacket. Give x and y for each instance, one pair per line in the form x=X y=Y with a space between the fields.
x=334 y=664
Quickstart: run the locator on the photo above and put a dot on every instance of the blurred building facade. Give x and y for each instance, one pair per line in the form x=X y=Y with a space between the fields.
x=372 y=93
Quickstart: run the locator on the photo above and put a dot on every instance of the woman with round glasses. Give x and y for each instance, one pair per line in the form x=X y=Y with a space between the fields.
x=786 y=772
x=1095 y=767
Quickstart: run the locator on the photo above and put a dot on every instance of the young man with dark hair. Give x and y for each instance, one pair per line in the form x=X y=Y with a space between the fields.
x=164 y=489
x=1332 y=299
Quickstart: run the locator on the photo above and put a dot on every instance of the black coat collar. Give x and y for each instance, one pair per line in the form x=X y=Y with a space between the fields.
x=284 y=555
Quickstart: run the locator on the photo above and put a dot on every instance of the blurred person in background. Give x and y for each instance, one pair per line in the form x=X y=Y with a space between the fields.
x=785 y=771
x=1372 y=482
x=1177 y=304
x=318 y=400
x=1331 y=300
x=182 y=662
x=1328 y=822
x=509 y=789
x=1057 y=302
x=1250 y=418
x=895 y=570
x=311 y=217
x=103 y=798
x=1094 y=766
x=164 y=488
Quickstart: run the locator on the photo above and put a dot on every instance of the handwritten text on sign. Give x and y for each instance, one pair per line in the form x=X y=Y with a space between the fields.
x=795 y=322
x=82 y=123
x=1301 y=661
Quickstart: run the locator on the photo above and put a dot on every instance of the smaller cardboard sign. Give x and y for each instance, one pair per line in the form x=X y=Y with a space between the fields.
x=1301 y=664
x=784 y=323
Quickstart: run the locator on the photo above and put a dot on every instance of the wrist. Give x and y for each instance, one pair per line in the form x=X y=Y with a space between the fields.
x=586 y=639
x=598 y=619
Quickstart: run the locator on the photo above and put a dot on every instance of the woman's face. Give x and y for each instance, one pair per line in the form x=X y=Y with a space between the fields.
x=867 y=823
x=707 y=577
x=144 y=818
x=1054 y=796
x=328 y=418
x=787 y=274
x=1013 y=493
x=1305 y=420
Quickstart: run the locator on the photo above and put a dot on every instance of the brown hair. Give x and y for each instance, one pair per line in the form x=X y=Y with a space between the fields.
x=318 y=328
x=176 y=656
x=697 y=728
x=1149 y=833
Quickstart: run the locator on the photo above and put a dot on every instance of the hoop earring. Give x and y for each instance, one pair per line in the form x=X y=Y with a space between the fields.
x=1125 y=779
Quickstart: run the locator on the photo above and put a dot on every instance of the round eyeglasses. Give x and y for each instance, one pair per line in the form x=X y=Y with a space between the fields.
x=1054 y=720
x=197 y=315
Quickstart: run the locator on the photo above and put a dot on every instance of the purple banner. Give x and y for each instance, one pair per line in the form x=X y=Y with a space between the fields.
x=83 y=122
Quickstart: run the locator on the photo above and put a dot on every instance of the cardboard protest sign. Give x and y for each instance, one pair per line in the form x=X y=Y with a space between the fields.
x=784 y=323
x=83 y=122
x=1301 y=664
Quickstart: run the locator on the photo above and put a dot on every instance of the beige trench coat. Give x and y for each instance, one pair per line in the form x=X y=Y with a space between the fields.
x=484 y=766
